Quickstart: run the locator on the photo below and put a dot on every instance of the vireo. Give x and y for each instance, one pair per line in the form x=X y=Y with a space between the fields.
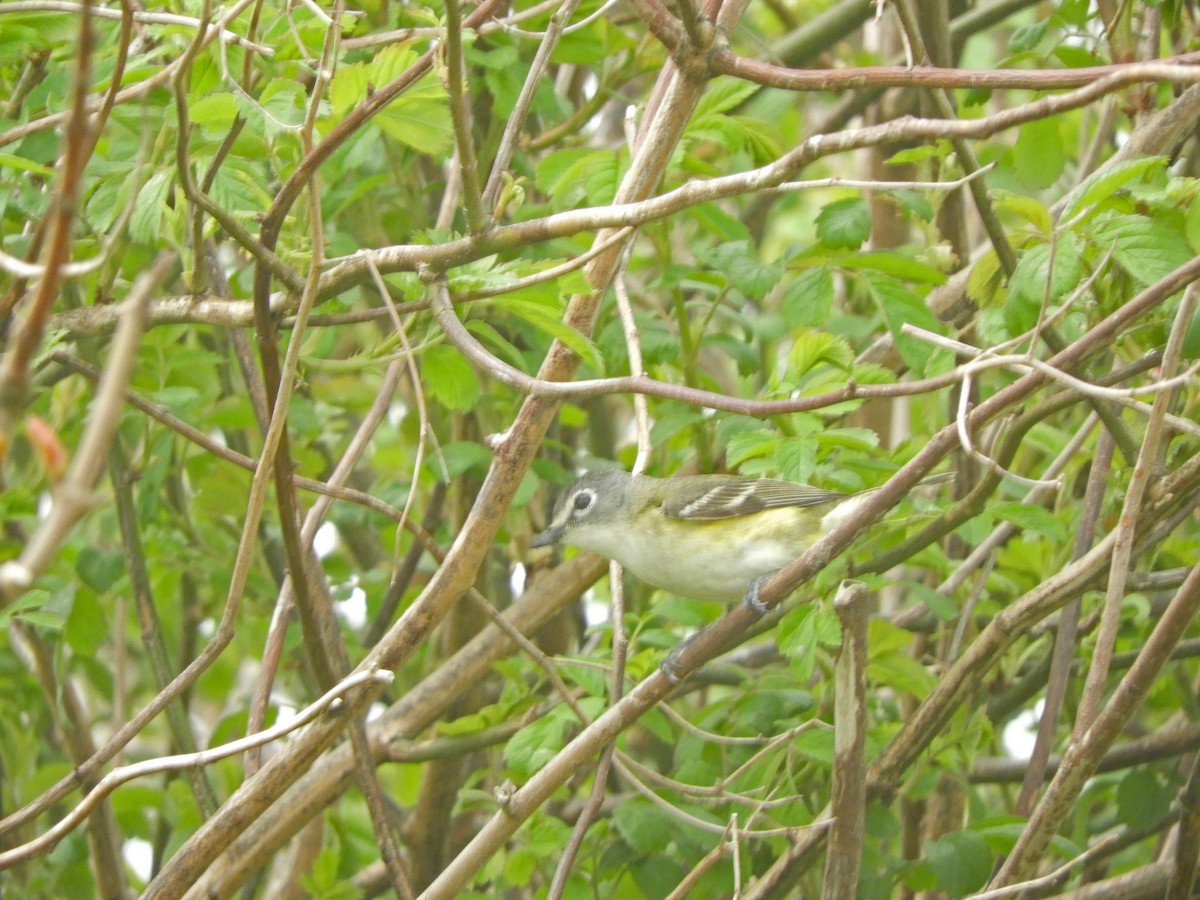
x=708 y=537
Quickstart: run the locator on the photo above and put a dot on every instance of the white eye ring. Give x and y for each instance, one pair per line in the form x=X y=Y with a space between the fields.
x=583 y=500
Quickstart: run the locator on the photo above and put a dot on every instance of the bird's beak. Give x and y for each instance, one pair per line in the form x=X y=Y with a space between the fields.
x=551 y=535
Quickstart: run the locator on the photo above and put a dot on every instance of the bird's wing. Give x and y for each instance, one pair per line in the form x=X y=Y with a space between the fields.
x=733 y=497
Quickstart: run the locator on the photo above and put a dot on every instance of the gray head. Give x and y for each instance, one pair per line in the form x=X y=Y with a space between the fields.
x=596 y=498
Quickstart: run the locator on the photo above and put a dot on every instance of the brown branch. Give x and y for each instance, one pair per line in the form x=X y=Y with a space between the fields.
x=848 y=793
x=1174 y=739
x=1081 y=759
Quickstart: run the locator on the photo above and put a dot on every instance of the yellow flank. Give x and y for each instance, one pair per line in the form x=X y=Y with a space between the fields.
x=684 y=557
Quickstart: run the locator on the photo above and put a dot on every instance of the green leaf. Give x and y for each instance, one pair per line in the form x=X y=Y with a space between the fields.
x=560 y=174
x=1039 y=156
x=463 y=456
x=894 y=264
x=1192 y=223
x=1101 y=185
x=815 y=745
x=940 y=605
x=1030 y=517
x=448 y=378
x=1028 y=286
x=901 y=307
x=985 y=279
x=751 y=445
x=961 y=862
x=99 y=569
x=149 y=207
x=898 y=670
x=644 y=827
x=535 y=744
x=547 y=319
x=937 y=150
x=1026 y=37
x=214 y=114
x=914 y=203
x=87 y=627
x=808 y=300
x=1028 y=208
x=1142 y=798
x=796 y=458
x=1144 y=247
x=723 y=94
x=844 y=224
x=739 y=263
x=9 y=161
x=419 y=118
x=1191 y=337
x=812 y=348
x=803 y=631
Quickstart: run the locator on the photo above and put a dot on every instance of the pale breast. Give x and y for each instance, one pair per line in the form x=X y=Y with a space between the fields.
x=717 y=560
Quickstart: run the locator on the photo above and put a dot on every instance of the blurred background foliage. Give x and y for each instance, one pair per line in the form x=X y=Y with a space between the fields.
x=762 y=296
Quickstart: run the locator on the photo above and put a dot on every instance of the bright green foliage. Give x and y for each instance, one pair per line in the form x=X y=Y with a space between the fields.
x=248 y=157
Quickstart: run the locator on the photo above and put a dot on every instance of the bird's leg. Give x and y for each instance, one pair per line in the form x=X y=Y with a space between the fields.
x=750 y=600
x=667 y=666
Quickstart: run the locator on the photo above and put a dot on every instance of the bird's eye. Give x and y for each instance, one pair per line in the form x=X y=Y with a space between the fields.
x=583 y=500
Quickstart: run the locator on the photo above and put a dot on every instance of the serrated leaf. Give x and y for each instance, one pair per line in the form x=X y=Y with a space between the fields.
x=1144 y=247
x=1033 y=518
x=447 y=377
x=1028 y=208
x=214 y=113
x=796 y=458
x=961 y=862
x=985 y=279
x=419 y=118
x=99 y=569
x=1026 y=37
x=739 y=263
x=1142 y=798
x=535 y=744
x=1039 y=156
x=901 y=307
x=149 y=207
x=10 y=161
x=546 y=319
x=894 y=264
x=723 y=94
x=918 y=154
x=808 y=299
x=1101 y=185
x=643 y=826
x=1028 y=286
x=900 y=671
x=751 y=445
x=844 y=224
x=815 y=347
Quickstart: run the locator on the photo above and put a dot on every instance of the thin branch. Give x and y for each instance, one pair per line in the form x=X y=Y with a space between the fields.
x=73 y=498
x=117 y=777
x=1148 y=460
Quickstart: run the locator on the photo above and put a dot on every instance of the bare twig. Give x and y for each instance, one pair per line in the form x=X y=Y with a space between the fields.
x=74 y=495
x=117 y=777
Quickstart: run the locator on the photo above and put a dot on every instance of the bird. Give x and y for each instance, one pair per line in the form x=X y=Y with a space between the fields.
x=707 y=537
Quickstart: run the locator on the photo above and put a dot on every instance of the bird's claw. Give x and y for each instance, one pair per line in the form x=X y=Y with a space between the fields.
x=751 y=601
